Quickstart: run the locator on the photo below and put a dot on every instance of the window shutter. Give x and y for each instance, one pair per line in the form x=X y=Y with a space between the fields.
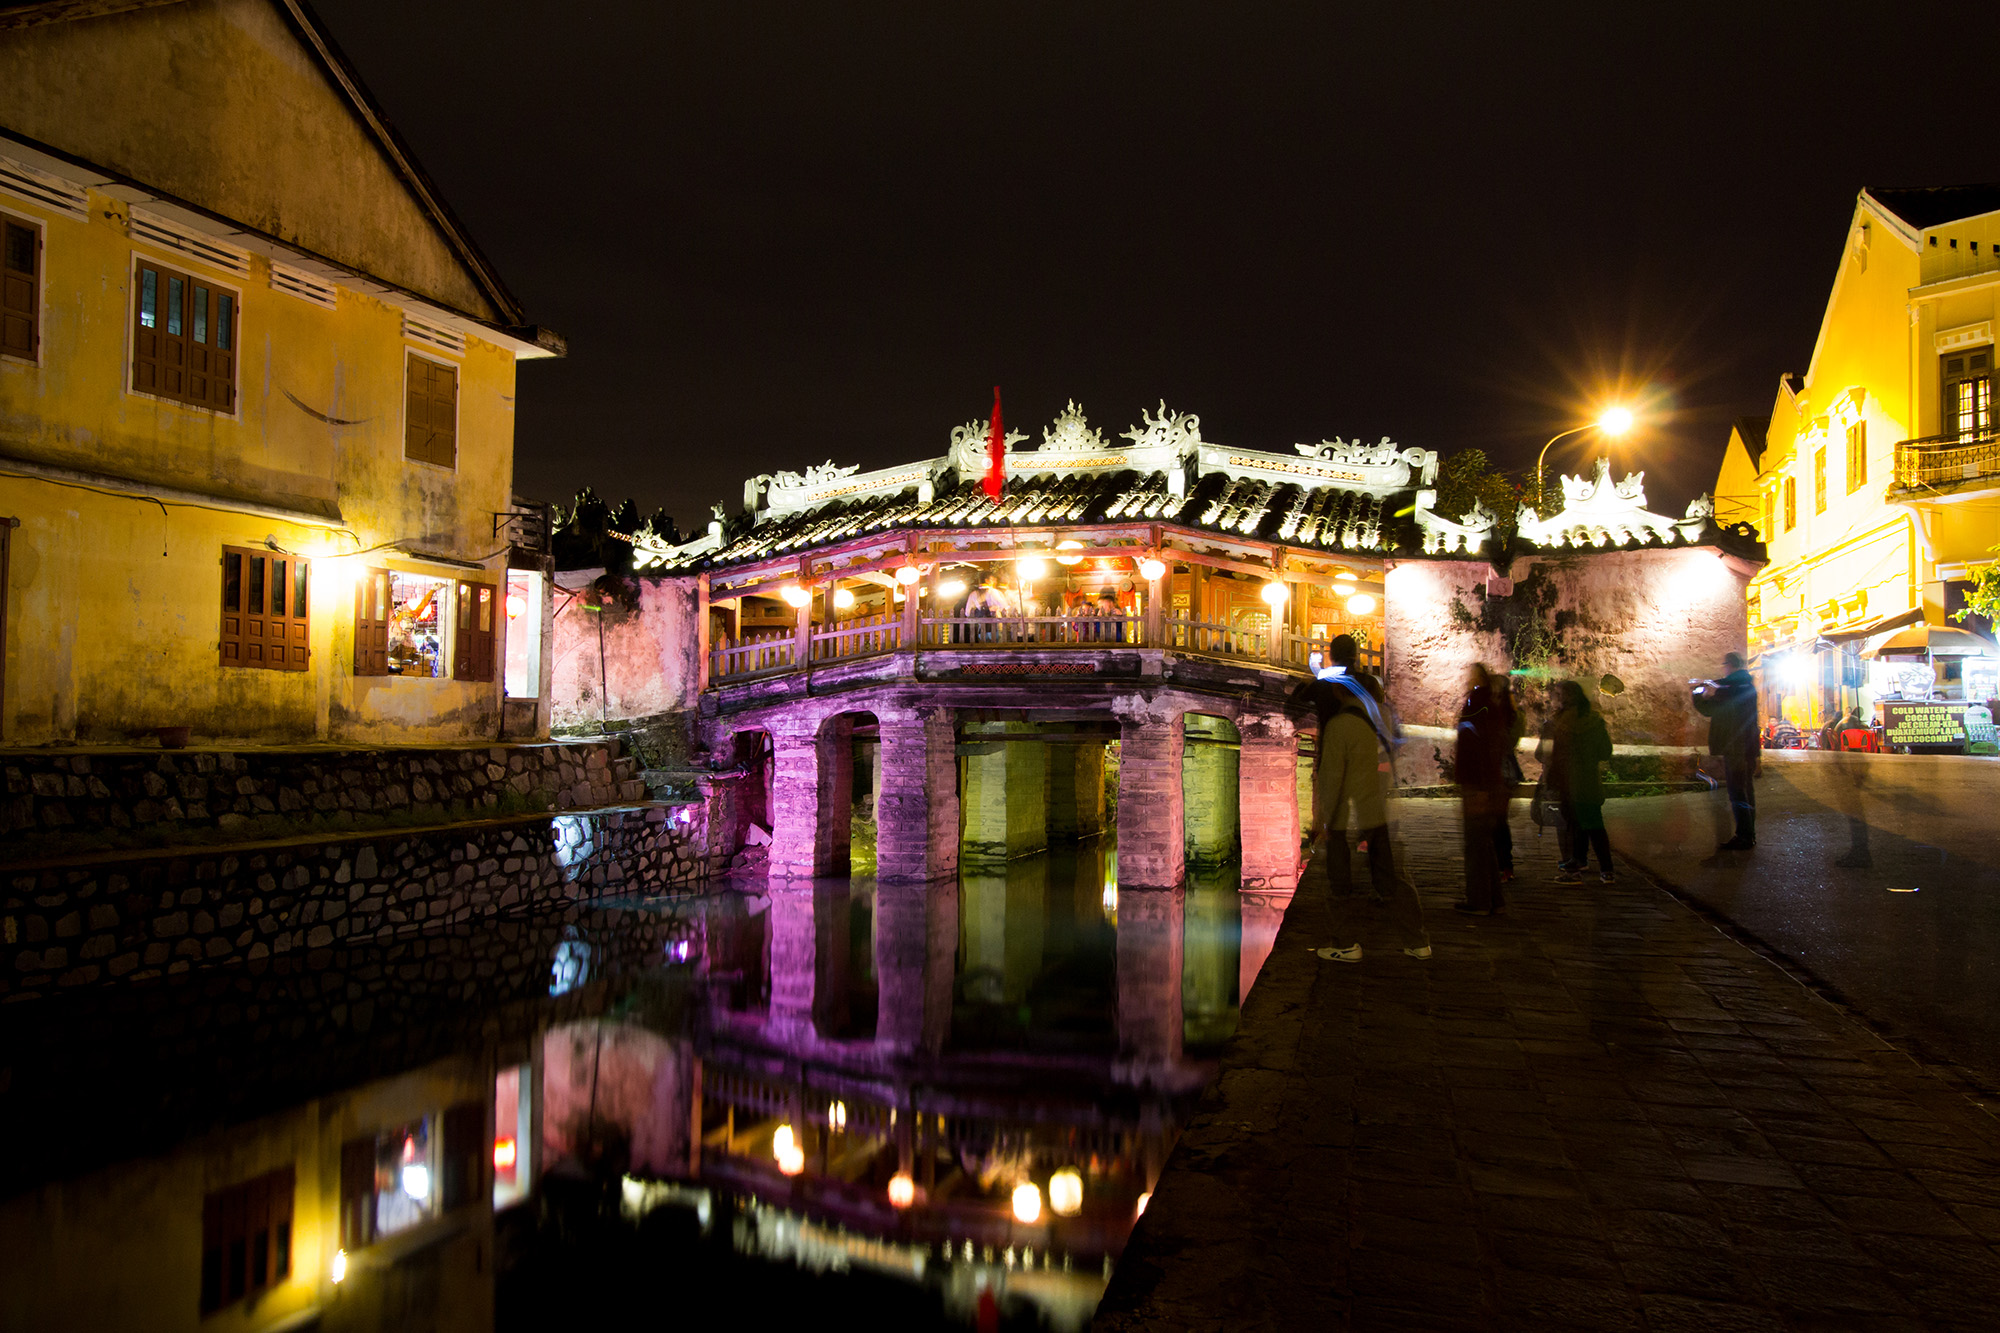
x=466 y=1152
x=146 y=331
x=417 y=411
x=183 y=338
x=472 y=639
x=266 y=610
x=232 y=607
x=371 y=623
x=357 y=1193
x=20 y=288
x=461 y=639
x=294 y=646
x=430 y=432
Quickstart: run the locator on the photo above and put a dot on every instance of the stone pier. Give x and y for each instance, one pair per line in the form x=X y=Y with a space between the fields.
x=803 y=818
x=1149 y=981
x=808 y=960
x=1075 y=790
x=916 y=948
x=1151 y=828
x=1208 y=790
x=916 y=797
x=1268 y=797
x=1005 y=797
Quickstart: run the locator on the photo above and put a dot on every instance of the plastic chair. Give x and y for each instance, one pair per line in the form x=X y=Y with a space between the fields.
x=1859 y=738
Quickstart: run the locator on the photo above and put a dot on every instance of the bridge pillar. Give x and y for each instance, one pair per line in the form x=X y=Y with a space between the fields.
x=1076 y=791
x=1209 y=782
x=808 y=925
x=1006 y=798
x=806 y=820
x=916 y=948
x=1268 y=795
x=916 y=798
x=1150 y=923
x=1151 y=829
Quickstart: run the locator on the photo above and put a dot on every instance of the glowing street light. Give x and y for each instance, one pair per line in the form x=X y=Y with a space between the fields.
x=1613 y=422
x=796 y=594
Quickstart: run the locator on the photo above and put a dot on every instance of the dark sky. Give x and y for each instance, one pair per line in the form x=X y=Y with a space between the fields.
x=779 y=233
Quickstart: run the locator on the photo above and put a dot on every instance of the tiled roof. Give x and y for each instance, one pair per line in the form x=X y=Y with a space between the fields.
x=1307 y=517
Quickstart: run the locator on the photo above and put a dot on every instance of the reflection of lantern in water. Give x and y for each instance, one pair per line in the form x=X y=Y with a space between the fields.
x=1027 y=1202
x=1144 y=1199
x=902 y=1190
x=505 y=1153
x=785 y=1147
x=1066 y=1193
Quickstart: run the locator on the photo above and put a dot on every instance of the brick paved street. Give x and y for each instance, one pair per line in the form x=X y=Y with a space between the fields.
x=1593 y=1112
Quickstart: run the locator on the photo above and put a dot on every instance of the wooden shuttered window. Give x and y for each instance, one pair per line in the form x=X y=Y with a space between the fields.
x=467 y=1150
x=371 y=623
x=20 y=288
x=246 y=1239
x=183 y=338
x=357 y=1193
x=265 y=597
x=472 y=641
x=430 y=421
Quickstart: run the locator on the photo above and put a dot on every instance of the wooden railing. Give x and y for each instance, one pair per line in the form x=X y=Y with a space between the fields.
x=1028 y=631
x=1941 y=460
x=765 y=651
x=1201 y=636
x=863 y=637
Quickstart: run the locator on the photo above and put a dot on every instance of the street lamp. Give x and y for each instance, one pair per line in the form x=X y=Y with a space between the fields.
x=1614 y=422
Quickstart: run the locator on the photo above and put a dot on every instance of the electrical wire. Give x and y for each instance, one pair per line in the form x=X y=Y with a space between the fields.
x=163 y=504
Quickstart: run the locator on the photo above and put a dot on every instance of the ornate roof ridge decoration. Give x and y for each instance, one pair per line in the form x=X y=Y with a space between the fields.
x=1442 y=535
x=1599 y=512
x=1071 y=434
x=1347 y=464
x=1179 y=431
x=968 y=451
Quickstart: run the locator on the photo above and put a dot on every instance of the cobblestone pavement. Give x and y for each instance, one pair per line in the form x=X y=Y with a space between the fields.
x=1593 y=1112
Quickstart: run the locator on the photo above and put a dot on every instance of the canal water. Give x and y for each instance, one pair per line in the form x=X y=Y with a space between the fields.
x=943 y=1106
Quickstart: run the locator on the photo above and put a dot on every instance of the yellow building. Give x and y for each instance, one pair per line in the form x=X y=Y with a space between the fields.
x=1876 y=481
x=256 y=399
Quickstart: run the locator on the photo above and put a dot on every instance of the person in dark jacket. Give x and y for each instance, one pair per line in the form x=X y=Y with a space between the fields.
x=1730 y=705
x=1485 y=733
x=1575 y=742
x=1503 y=832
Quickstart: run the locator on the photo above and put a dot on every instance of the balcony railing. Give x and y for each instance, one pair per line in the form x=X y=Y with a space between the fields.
x=769 y=652
x=1946 y=460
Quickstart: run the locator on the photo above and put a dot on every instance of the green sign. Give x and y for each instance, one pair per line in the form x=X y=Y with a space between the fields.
x=1923 y=724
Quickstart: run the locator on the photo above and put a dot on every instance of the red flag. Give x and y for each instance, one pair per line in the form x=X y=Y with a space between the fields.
x=996 y=452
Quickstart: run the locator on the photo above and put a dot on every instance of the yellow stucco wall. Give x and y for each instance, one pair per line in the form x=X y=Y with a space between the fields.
x=1875 y=362
x=219 y=102
x=121 y=1248
x=112 y=605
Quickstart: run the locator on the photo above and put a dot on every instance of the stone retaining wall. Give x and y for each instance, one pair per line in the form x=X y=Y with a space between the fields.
x=136 y=918
x=66 y=802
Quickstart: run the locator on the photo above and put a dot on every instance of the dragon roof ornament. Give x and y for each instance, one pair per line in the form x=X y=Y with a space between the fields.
x=1179 y=431
x=1598 y=511
x=1071 y=434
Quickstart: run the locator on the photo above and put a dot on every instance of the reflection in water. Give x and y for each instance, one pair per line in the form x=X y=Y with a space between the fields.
x=963 y=1092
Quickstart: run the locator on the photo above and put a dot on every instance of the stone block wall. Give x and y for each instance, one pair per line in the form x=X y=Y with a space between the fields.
x=141 y=917
x=65 y=802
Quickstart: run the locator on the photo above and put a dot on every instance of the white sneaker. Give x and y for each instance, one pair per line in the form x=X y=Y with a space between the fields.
x=1351 y=954
x=1421 y=951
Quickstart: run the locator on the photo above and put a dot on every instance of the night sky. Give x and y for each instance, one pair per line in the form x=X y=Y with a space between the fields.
x=780 y=233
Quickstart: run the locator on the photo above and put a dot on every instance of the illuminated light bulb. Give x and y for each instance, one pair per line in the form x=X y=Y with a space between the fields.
x=1031 y=566
x=515 y=606
x=1344 y=588
x=1066 y=1193
x=339 y=1270
x=783 y=1141
x=1027 y=1203
x=505 y=1153
x=952 y=588
x=902 y=1190
x=1615 y=421
x=908 y=574
x=1151 y=568
x=1070 y=544
x=1275 y=594
x=836 y=1115
x=417 y=1181
x=1360 y=604
x=843 y=598
x=795 y=595
x=1144 y=1199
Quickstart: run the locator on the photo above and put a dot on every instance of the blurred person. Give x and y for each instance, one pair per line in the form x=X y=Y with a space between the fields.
x=1355 y=770
x=1503 y=830
x=1730 y=705
x=1485 y=731
x=1574 y=744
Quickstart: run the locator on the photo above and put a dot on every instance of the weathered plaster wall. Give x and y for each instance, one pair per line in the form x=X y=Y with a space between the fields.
x=1652 y=618
x=647 y=660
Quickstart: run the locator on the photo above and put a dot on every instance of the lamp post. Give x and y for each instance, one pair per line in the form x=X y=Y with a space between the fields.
x=1615 y=422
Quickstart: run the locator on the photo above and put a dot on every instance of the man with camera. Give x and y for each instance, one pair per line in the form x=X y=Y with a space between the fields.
x=1730 y=705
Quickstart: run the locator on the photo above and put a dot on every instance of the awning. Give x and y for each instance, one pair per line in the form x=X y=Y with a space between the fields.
x=1870 y=630
x=1932 y=640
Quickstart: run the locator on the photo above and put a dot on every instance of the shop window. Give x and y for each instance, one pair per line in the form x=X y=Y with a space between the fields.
x=1968 y=393
x=1857 y=456
x=1819 y=480
x=513 y=1135
x=419 y=622
x=472 y=644
x=183 y=338
x=20 y=288
x=524 y=634
x=388 y=1183
x=1791 y=503
x=264 y=609
x=430 y=419
x=246 y=1239
x=373 y=604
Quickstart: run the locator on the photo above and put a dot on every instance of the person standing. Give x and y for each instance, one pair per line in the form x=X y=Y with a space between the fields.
x=1485 y=731
x=1503 y=831
x=1730 y=705
x=1574 y=744
x=1355 y=769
